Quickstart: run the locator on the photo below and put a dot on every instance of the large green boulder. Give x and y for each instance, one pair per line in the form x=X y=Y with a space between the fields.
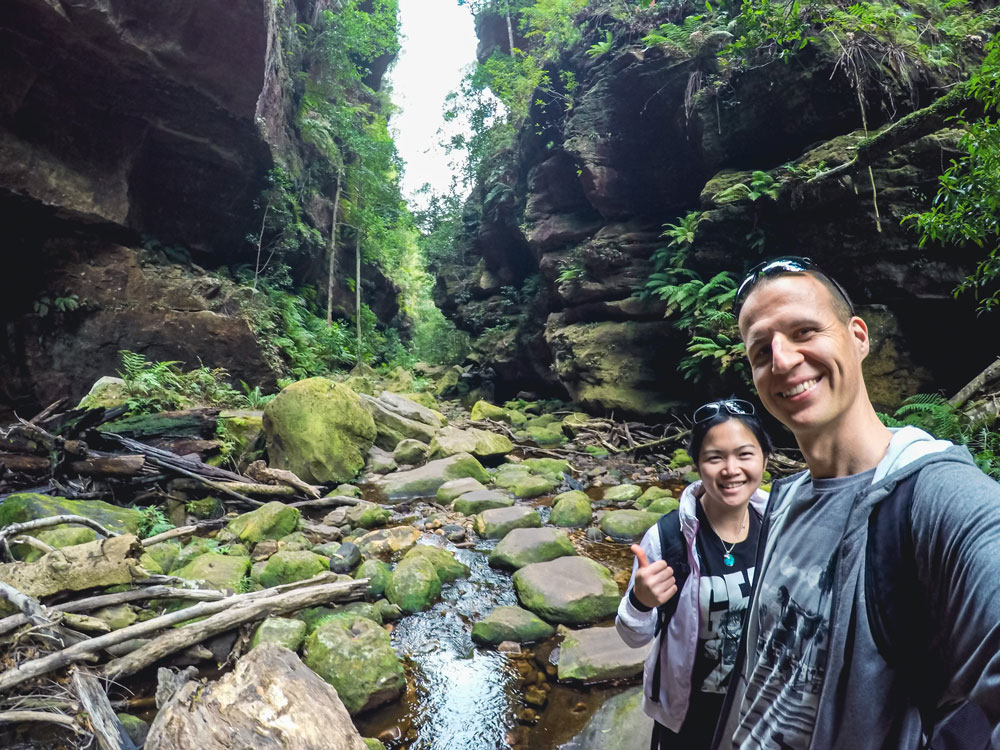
x=485 y=410
x=627 y=525
x=573 y=590
x=320 y=430
x=651 y=494
x=162 y=556
x=414 y=585
x=270 y=521
x=511 y=624
x=498 y=522
x=482 y=443
x=534 y=485
x=525 y=546
x=29 y=506
x=378 y=574
x=290 y=566
x=65 y=535
x=571 y=510
x=220 y=571
x=598 y=655
x=456 y=488
x=472 y=503
x=444 y=562
x=355 y=656
x=425 y=480
x=392 y=427
x=281 y=630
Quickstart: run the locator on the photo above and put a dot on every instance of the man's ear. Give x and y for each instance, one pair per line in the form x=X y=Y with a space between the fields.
x=859 y=333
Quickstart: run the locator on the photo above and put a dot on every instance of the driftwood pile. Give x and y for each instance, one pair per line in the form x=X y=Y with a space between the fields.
x=58 y=664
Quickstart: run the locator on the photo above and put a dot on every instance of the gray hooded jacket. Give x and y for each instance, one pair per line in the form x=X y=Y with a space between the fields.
x=955 y=520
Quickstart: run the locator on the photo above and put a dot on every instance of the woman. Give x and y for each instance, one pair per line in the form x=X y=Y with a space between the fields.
x=719 y=519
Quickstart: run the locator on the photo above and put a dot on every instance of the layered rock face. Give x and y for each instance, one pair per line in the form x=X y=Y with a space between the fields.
x=127 y=123
x=583 y=199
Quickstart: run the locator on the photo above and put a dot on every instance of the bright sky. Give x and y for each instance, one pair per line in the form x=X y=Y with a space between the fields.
x=439 y=43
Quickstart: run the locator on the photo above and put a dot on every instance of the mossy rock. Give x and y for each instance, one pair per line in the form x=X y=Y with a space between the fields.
x=366 y=515
x=553 y=467
x=290 y=566
x=378 y=574
x=244 y=429
x=526 y=546
x=680 y=458
x=270 y=521
x=622 y=493
x=572 y=423
x=447 y=384
x=456 y=488
x=206 y=507
x=356 y=656
x=57 y=537
x=482 y=443
x=117 y=617
x=573 y=590
x=691 y=477
x=507 y=475
x=651 y=494
x=511 y=624
x=472 y=503
x=136 y=729
x=571 y=510
x=345 y=490
x=448 y=568
x=372 y=744
x=199 y=545
x=422 y=398
x=107 y=393
x=29 y=506
x=163 y=554
x=414 y=584
x=534 y=485
x=425 y=480
x=663 y=505
x=543 y=436
x=221 y=571
x=627 y=525
x=320 y=430
x=596 y=451
x=284 y=631
x=485 y=410
x=497 y=523
x=409 y=452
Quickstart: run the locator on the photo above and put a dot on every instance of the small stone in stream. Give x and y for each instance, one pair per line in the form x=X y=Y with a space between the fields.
x=263 y=550
x=390 y=612
x=509 y=647
x=457 y=535
x=535 y=696
x=345 y=559
x=336 y=517
x=392 y=734
x=348 y=490
x=527 y=716
x=594 y=534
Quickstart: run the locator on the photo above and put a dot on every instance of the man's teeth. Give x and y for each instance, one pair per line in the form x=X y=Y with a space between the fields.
x=799 y=388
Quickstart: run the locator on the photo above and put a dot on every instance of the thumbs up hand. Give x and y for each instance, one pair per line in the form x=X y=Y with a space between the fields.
x=653 y=583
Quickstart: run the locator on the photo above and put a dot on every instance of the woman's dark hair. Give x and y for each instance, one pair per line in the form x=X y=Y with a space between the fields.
x=751 y=422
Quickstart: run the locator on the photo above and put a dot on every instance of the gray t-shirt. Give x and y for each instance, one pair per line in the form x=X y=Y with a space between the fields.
x=788 y=631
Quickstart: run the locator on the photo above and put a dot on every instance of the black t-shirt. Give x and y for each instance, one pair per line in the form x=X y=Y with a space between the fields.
x=722 y=602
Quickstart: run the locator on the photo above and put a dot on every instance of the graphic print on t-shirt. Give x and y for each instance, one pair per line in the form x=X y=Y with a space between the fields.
x=792 y=647
x=725 y=598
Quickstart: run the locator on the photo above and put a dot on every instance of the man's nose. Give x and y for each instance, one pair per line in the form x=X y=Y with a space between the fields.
x=784 y=354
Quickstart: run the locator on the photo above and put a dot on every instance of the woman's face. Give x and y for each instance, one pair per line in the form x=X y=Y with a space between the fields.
x=731 y=464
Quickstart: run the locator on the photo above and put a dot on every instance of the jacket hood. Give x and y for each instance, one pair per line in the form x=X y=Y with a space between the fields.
x=911 y=448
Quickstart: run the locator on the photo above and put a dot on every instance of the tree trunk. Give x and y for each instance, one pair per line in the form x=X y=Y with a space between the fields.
x=332 y=264
x=357 y=275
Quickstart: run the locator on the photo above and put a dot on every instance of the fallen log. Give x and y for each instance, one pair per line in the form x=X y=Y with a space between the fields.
x=215 y=523
x=110 y=466
x=104 y=723
x=19 y=717
x=239 y=614
x=183 y=423
x=985 y=380
x=245 y=488
x=259 y=471
x=85 y=650
x=103 y=562
x=324 y=502
x=27 y=464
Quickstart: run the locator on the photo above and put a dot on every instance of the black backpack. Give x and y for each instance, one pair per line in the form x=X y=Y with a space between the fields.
x=673 y=550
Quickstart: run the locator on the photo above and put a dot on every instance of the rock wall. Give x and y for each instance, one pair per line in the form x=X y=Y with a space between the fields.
x=124 y=122
x=583 y=198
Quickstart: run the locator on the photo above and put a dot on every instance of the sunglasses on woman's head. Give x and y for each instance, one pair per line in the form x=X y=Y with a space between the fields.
x=777 y=267
x=735 y=406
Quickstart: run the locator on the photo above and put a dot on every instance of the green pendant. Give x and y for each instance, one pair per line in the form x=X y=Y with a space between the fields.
x=729 y=560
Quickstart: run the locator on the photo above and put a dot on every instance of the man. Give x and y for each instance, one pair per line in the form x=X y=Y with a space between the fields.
x=809 y=672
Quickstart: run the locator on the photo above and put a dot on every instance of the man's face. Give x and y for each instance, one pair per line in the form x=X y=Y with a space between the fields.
x=806 y=362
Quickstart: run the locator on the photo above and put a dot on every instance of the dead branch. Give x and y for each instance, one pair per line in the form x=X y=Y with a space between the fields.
x=109 y=466
x=246 y=488
x=33 y=542
x=239 y=614
x=30 y=607
x=986 y=379
x=44 y=523
x=259 y=471
x=324 y=502
x=214 y=523
x=107 y=727
x=17 y=717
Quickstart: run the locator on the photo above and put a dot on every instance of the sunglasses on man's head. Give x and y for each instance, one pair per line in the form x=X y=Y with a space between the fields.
x=735 y=406
x=777 y=267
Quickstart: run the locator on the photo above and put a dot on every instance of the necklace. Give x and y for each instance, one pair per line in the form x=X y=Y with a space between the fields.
x=727 y=559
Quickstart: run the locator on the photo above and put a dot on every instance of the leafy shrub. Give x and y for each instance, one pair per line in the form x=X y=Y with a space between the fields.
x=152 y=522
x=152 y=387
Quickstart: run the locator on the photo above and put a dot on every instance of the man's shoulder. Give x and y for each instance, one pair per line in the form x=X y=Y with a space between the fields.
x=955 y=486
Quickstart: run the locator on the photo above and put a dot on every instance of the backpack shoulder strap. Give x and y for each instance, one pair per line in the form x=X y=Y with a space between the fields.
x=674 y=551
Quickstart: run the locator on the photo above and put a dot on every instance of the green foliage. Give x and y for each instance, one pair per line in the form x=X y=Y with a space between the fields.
x=65 y=303
x=570 y=271
x=152 y=387
x=552 y=24
x=253 y=398
x=602 y=47
x=766 y=30
x=676 y=37
x=933 y=413
x=967 y=205
x=152 y=522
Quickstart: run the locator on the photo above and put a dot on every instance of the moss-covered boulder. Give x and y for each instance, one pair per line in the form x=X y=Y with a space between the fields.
x=414 y=584
x=550 y=467
x=366 y=515
x=598 y=655
x=444 y=562
x=378 y=574
x=525 y=546
x=456 y=488
x=544 y=436
x=270 y=521
x=392 y=426
x=387 y=544
x=507 y=475
x=619 y=724
x=28 y=506
x=318 y=429
x=622 y=493
x=485 y=410
x=573 y=590
x=162 y=556
x=295 y=541
x=57 y=537
x=680 y=458
x=472 y=503
x=355 y=656
x=627 y=525
x=409 y=452
x=281 y=630
x=571 y=510
x=243 y=431
x=497 y=523
x=534 y=485
x=117 y=616
x=206 y=507
x=481 y=443
x=651 y=494
x=425 y=480
x=220 y=571
x=290 y=566
x=663 y=505
x=511 y=624
x=108 y=392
